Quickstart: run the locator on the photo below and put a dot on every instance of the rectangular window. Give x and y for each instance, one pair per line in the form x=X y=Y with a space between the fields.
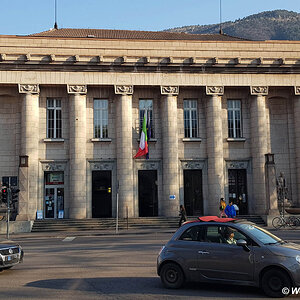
x=234 y=118
x=54 y=119
x=100 y=119
x=144 y=105
x=190 y=118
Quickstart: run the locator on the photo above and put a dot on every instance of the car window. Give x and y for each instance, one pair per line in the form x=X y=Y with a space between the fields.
x=194 y=233
x=223 y=234
x=214 y=234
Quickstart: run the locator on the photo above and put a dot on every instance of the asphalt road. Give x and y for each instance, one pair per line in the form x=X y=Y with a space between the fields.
x=97 y=266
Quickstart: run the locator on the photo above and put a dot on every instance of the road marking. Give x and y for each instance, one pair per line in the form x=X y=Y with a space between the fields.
x=69 y=239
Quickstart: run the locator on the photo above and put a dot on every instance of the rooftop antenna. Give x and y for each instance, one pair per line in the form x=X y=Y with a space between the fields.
x=55 y=13
x=221 y=31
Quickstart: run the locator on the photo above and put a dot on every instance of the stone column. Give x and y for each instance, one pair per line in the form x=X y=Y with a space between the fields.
x=170 y=206
x=271 y=187
x=124 y=149
x=259 y=147
x=297 y=140
x=215 y=162
x=77 y=151
x=28 y=175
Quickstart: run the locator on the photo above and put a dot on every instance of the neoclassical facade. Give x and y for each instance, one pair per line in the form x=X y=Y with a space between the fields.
x=72 y=104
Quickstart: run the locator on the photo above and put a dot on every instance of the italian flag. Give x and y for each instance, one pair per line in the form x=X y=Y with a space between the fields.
x=143 y=149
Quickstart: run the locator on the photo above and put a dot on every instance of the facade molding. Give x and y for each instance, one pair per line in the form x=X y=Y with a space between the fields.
x=237 y=164
x=101 y=165
x=169 y=90
x=123 y=89
x=214 y=90
x=77 y=88
x=187 y=164
x=259 y=90
x=48 y=166
x=28 y=88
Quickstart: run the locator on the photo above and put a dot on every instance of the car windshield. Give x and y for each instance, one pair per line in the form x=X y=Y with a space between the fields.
x=261 y=234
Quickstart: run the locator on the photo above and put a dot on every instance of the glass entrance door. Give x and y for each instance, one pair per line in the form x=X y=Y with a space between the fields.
x=54 y=201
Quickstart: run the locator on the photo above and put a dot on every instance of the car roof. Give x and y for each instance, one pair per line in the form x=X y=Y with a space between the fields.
x=215 y=219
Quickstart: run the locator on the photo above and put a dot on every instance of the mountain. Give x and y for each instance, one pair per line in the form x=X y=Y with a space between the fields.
x=268 y=25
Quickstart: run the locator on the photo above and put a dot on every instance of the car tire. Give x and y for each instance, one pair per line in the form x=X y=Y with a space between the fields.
x=273 y=282
x=172 y=276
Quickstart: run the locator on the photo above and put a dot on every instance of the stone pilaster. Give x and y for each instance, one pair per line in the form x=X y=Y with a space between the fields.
x=215 y=163
x=169 y=206
x=259 y=146
x=297 y=138
x=28 y=176
x=77 y=151
x=124 y=149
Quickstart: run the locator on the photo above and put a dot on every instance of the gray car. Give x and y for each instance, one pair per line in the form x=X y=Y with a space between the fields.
x=11 y=254
x=231 y=252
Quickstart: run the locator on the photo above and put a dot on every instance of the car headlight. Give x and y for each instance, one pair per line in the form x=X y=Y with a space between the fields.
x=298 y=258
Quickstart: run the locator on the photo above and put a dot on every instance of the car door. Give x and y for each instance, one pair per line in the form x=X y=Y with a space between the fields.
x=218 y=260
x=187 y=248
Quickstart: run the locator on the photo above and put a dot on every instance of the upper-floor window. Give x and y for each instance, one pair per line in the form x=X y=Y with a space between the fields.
x=146 y=104
x=190 y=119
x=54 y=119
x=100 y=118
x=234 y=118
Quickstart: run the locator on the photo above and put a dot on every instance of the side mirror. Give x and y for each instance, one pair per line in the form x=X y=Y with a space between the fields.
x=243 y=244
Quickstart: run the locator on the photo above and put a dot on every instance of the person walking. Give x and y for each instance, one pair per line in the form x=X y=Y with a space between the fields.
x=222 y=208
x=182 y=214
x=230 y=211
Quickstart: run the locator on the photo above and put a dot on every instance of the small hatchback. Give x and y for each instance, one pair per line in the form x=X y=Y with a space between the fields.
x=11 y=254
x=229 y=251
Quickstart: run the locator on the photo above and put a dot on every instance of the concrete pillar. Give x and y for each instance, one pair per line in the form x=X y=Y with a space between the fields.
x=271 y=187
x=170 y=206
x=124 y=149
x=215 y=162
x=259 y=147
x=28 y=173
x=77 y=151
x=297 y=140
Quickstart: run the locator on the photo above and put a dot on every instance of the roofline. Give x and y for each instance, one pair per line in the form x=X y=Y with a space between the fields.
x=151 y=40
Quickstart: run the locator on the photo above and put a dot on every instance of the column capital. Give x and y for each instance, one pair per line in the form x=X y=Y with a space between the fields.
x=29 y=88
x=214 y=90
x=169 y=90
x=123 y=89
x=297 y=90
x=77 y=88
x=259 y=90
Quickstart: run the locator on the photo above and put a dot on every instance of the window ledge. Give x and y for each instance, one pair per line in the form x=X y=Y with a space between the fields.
x=100 y=140
x=150 y=141
x=49 y=140
x=236 y=140
x=192 y=140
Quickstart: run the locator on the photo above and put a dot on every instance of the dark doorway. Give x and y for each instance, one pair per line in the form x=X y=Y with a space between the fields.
x=148 y=203
x=237 y=185
x=193 y=197
x=101 y=197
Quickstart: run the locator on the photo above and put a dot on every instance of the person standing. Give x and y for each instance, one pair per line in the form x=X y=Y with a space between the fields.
x=230 y=211
x=182 y=214
x=222 y=208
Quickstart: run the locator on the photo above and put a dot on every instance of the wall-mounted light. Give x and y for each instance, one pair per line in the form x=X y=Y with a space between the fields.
x=23 y=161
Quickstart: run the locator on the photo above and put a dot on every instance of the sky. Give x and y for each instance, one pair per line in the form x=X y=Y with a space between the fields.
x=22 y=17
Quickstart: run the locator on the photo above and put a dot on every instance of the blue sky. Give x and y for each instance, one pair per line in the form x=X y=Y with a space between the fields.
x=29 y=16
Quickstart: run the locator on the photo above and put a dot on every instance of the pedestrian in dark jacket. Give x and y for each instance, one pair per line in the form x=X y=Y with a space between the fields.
x=230 y=211
x=182 y=214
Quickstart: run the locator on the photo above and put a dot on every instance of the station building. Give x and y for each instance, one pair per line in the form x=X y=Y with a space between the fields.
x=72 y=106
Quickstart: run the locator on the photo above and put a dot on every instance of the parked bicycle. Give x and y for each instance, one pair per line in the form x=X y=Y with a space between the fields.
x=282 y=222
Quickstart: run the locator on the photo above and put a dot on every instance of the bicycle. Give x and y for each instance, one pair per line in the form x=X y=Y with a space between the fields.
x=282 y=222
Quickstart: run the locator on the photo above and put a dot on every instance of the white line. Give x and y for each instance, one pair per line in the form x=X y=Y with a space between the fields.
x=69 y=239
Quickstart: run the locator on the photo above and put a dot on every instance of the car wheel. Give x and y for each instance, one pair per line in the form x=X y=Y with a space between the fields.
x=274 y=282
x=172 y=276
